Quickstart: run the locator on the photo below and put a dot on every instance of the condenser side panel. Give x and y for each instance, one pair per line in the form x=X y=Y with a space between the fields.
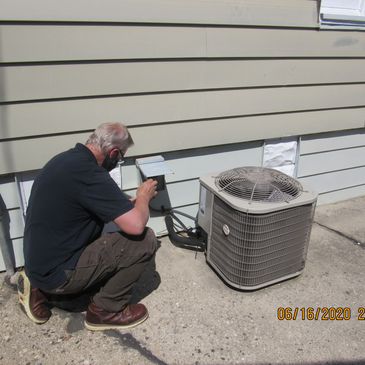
x=251 y=251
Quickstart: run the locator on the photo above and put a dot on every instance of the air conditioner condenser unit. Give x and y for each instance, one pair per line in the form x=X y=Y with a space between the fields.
x=258 y=223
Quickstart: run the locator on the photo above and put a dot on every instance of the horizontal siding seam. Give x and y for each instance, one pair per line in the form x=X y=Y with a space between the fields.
x=332 y=171
x=13 y=208
x=332 y=150
x=341 y=189
x=181 y=91
x=175 y=24
x=16 y=238
x=173 y=59
x=46 y=135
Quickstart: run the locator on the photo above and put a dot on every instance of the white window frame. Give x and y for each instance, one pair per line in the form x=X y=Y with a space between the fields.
x=342 y=14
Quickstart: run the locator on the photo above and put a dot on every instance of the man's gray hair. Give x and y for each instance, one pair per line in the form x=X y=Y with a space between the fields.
x=111 y=135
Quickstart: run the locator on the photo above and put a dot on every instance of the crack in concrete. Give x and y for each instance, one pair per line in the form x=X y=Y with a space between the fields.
x=352 y=239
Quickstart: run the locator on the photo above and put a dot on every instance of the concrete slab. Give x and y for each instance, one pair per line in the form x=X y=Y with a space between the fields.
x=196 y=319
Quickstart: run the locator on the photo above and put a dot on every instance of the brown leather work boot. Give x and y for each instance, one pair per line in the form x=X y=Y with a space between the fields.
x=32 y=300
x=97 y=319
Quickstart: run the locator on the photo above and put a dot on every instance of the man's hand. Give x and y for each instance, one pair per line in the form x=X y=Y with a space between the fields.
x=147 y=190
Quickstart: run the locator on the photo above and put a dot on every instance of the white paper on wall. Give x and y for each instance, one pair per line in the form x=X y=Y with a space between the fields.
x=281 y=155
x=116 y=175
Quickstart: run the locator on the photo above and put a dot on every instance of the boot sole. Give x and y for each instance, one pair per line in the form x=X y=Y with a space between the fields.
x=24 y=298
x=104 y=327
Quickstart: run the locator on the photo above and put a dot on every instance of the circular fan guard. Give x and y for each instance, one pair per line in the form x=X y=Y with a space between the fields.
x=258 y=184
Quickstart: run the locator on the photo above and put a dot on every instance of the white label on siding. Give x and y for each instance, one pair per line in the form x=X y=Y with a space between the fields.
x=281 y=155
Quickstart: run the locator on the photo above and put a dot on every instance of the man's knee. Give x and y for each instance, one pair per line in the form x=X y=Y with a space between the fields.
x=143 y=245
x=150 y=241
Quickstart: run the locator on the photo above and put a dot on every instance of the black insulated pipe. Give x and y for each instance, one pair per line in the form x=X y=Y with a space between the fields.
x=190 y=243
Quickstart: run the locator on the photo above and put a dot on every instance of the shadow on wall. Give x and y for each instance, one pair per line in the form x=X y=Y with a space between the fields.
x=5 y=241
x=5 y=147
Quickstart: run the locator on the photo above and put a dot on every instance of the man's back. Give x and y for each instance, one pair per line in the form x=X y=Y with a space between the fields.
x=70 y=201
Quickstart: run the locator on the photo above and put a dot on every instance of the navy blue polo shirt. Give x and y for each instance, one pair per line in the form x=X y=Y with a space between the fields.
x=70 y=201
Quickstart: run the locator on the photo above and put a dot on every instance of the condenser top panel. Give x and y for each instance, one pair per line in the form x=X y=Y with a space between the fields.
x=258 y=189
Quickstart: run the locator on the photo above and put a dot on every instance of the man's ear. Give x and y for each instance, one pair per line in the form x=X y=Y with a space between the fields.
x=114 y=153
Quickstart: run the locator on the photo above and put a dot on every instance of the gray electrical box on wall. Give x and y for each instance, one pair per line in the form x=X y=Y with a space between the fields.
x=155 y=168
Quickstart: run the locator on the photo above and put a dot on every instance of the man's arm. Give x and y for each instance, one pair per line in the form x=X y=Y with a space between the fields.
x=134 y=221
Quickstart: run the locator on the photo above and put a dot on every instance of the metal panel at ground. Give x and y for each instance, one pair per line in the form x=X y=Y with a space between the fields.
x=332 y=141
x=16 y=223
x=338 y=180
x=191 y=164
x=18 y=254
x=343 y=194
x=9 y=193
x=331 y=161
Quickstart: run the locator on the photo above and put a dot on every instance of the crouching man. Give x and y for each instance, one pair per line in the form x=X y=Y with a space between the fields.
x=64 y=251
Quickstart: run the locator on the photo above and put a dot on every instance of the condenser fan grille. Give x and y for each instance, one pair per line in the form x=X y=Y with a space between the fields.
x=258 y=184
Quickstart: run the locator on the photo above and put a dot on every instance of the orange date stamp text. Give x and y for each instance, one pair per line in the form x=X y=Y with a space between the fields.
x=320 y=313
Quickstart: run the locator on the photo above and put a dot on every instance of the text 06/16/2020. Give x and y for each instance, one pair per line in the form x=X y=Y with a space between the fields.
x=320 y=313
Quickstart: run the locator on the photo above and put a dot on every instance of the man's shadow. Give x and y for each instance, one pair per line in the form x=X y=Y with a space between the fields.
x=149 y=281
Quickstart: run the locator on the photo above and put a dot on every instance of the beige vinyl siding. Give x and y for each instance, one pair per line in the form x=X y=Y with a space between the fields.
x=55 y=43
x=296 y=13
x=56 y=81
x=150 y=139
x=73 y=115
x=59 y=80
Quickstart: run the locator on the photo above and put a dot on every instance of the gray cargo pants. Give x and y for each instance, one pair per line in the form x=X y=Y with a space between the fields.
x=113 y=263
